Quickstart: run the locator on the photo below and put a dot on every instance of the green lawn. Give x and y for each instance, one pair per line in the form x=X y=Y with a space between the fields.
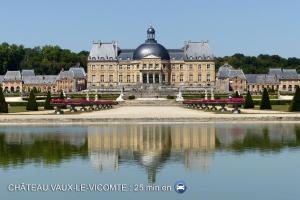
x=16 y=109
x=276 y=108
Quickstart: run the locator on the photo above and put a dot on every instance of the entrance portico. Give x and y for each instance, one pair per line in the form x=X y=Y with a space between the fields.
x=152 y=77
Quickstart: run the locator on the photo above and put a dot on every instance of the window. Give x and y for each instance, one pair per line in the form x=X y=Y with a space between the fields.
x=110 y=67
x=137 y=66
x=181 y=67
x=137 y=78
x=208 y=77
x=181 y=78
x=173 y=66
x=93 y=78
x=199 y=67
x=128 y=66
x=284 y=87
x=120 y=78
x=173 y=77
x=144 y=66
x=93 y=67
x=156 y=66
x=191 y=77
x=120 y=67
x=150 y=66
x=199 y=77
x=102 y=67
x=101 y=78
x=191 y=67
x=128 y=78
x=111 y=78
x=208 y=66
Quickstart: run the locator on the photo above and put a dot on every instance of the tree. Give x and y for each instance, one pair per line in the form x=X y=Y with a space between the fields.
x=265 y=100
x=3 y=104
x=34 y=90
x=47 y=105
x=62 y=96
x=31 y=104
x=249 y=102
x=236 y=95
x=295 y=104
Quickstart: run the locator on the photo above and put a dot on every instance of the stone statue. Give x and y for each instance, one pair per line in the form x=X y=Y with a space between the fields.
x=205 y=97
x=212 y=96
x=179 y=95
x=87 y=96
x=120 y=98
x=96 y=96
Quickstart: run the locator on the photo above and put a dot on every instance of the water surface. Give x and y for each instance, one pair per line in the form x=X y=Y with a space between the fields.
x=217 y=161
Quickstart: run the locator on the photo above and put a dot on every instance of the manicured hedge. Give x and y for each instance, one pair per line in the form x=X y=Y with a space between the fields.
x=273 y=102
x=24 y=104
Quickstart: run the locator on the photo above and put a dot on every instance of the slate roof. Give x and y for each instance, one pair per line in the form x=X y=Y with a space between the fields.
x=190 y=51
x=223 y=71
x=103 y=51
x=39 y=79
x=262 y=79
x=197 y=51
x=78 y=72
x=27 y=72
x=284 y=73
x=289 y=74
x=12 y=76
x=65 y=75
x=236 y=73
x=126 y=54
x=1 y=78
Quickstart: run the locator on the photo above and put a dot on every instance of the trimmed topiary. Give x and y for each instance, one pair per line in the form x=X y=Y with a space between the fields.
x=295 y=103
x=265 y=100
x=31 y=104
x=3 y=104
x=62 y=96
x=249 y=102
x=236 y=95
x=47 y=105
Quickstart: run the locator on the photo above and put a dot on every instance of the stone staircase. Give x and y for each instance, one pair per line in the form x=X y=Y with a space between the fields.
x=151 y=102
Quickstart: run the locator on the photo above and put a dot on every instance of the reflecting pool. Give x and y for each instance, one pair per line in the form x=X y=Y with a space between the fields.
x=216 y=161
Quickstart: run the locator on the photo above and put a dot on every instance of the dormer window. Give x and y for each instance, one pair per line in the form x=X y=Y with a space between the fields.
x=128 y=58
x=102 y=58
x=110 y=58
x=191 y=57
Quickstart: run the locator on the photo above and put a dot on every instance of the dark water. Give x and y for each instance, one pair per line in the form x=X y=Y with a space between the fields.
x=216 y=161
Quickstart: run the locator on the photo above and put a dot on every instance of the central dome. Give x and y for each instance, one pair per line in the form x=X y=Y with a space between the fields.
x=151 y=47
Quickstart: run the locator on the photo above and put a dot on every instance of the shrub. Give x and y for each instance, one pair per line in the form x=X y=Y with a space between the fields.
x=47 y=105
x=236 y=95
x=295 y=103
x=31 y=104
x=131 y=97
x=3 y=104
x=170 y=97
x=265 y=100
x=249 y=102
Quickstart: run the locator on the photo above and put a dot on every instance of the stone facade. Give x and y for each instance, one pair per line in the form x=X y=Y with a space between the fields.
x=150 y=63
x=230 y=80
x=282 y=80
x=72 y=80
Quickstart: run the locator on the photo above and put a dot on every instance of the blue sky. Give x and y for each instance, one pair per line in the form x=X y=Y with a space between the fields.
x=250 y=27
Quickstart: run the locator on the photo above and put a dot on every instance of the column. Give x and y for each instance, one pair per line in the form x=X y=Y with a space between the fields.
x=141 y=77
x=148 y=78
x=159 y=77
x=153 y=77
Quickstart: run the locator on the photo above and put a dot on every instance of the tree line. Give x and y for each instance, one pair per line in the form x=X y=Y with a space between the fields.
x=44 y=60
x=259 y=64
x=51 y=59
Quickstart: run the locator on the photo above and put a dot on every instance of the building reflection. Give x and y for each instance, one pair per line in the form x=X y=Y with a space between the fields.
x=151 y=146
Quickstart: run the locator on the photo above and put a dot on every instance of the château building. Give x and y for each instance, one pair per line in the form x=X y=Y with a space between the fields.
x=150 y=64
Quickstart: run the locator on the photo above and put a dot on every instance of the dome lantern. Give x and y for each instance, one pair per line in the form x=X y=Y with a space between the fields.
x=151 y=34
